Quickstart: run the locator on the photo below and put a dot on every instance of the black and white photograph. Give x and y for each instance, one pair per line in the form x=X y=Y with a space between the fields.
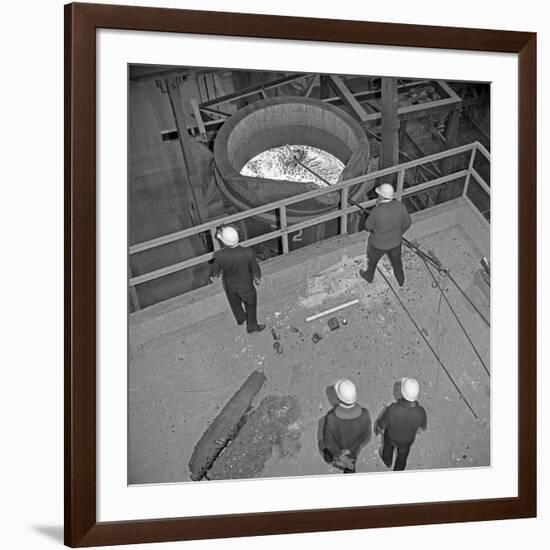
x=309 y=274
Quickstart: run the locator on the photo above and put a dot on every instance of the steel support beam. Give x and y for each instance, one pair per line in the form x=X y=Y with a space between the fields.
x=241 y=94
x=347 y=97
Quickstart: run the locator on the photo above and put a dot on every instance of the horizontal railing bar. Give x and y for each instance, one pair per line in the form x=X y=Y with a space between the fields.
x=314 y=221
x=263 y=238
x=180 y=266
x=166 y=239
x=290 y=229
x=416 y=162
x=168 y=270
x=195 y=230
x=481 y=181
x=434 y=183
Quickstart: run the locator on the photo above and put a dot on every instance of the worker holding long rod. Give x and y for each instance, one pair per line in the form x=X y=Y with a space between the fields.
x=387 y=223
x=435 y=263
x=425 y=257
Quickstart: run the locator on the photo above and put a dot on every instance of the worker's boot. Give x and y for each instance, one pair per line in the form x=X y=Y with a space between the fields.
x=258 y=328
x=363 y=274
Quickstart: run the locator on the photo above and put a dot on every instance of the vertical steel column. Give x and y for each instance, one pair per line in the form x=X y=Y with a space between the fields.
x=134 y=298
x=198 y=207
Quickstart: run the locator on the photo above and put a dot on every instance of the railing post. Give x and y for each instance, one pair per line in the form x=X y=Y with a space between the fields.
x=282 y=217
x=215 y=242
x=344 y=208
x=470 y=166
x=134 y=298
x=400 y=183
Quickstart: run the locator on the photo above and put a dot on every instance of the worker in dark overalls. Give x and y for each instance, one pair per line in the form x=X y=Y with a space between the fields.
x=387 y=222
x=399 y=423
x=240 y=272
x=347 y=428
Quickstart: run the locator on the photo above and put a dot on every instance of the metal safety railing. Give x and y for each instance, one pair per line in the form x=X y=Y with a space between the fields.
x=341 y=211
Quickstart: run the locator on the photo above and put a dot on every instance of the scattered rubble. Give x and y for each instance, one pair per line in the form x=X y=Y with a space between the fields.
x=333 y=323
x=273 y=425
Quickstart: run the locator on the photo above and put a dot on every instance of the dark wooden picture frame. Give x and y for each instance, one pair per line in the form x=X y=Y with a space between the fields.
x=81 y=23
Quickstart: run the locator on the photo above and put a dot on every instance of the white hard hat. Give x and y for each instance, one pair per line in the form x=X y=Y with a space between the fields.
x=410 y=388
x=229 y=236
x=346 y=391
x=385 y=191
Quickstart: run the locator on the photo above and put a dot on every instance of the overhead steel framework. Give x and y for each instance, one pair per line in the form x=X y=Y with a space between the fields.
x=360 y=103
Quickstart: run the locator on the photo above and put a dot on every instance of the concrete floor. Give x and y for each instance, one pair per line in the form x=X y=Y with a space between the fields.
x=188 y=357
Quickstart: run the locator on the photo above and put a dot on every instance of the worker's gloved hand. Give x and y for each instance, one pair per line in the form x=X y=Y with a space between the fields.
x=344 y=461
x=257 y=281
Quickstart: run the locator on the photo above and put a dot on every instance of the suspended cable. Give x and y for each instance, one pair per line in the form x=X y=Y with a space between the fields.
x=456 y=317
x=468 y=299
x=428 y=343
x=437 y=319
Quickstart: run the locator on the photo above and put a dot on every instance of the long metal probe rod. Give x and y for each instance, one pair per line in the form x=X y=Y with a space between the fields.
x=456 y=317
x=306 y=167
x=468 y=299
x=428 y=344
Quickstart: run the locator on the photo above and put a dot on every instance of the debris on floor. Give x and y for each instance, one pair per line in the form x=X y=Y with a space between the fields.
x=273 y=425
x=225 y=426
